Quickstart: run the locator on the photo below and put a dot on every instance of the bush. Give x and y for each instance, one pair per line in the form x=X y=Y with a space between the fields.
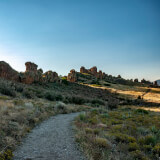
x=106 y=84
x=98 y=102
x=150 y=140
x=138 y=155
x=60 y=106
x=28 y=94
x=82 y=117
x=6 y=89
x=88 y=130
x=50 y=96
x=113 y=103
x=64 y=80
x=141 y=111
x=101 y=142
x=133 y=146
x=19 y=88
x=75 y=100
x=58 y=97
x=156 y=149
x=7 y=155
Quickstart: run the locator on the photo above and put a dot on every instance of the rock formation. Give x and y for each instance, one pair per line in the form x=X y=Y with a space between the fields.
x=7 y=72
x=50 y=76
x=31 y=75
x=84 y=70
x=99 y=75
x=72 y=76
x=93 y=70
x=31 y=67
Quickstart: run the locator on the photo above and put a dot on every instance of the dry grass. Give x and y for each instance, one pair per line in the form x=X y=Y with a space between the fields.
x=132 y=92
x=122 y=134
x=19 y=116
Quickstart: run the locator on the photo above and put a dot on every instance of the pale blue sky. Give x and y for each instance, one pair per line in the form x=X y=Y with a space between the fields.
x=118 y=36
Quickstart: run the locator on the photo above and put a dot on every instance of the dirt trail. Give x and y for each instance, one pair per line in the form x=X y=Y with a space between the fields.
x=51 y=140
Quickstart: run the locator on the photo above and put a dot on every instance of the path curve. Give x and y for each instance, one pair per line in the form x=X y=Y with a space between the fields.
x=53 y=139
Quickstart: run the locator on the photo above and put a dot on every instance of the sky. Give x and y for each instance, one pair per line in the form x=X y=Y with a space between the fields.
x=118 y=36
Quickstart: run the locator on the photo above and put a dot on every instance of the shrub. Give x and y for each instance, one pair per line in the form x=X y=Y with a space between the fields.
x=58 y=97
x=97 y=101
x=93 y=120
x=113 y=103
x=150 y=140
x=50 y=96
x=156 y=149
x=138 y=155
x=95 y=82
x=88 y=130
x=19 y=88
x=119 y=137
x=64 y=80
x=139 y=97
x=76 y=100
x=7 y=155
x=82 y=117
x=28 y=94
x=6 y=89
x=96 y=131
x=147 y=148
x=106 y=84
x=18 y=102
x=101 y=142
x=60 y=106
x=142 y=111
x=133 y=146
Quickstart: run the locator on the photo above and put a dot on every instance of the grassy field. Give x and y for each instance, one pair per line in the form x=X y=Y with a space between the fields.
x=124 y=133
x=22 y=107
x=131 y=92
x=19 y=116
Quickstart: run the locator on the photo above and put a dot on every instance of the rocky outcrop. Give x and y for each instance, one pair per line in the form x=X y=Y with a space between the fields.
x=7 y=72
x=72 y=76
x=99 y=75
x=28 y=77
x=93 y=70
x=50 y=77
x=31 y=67
x=84 y=70
x=31 y=75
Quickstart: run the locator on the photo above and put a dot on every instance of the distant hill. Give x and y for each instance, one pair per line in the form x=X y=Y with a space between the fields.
x=158 y=82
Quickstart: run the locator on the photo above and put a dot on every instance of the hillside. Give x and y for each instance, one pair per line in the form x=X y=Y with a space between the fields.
x=28 y=98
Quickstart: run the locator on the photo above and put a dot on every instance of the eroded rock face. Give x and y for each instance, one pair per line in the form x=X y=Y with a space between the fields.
x=50 y=76
x=93 y=70
x=72 y=76
x=83 y=70
x=99 y=75
x=31 y=67
x=31 y=75
x=7 y=72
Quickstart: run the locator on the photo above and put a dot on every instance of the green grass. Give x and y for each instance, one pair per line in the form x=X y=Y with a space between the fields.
x=125 y=133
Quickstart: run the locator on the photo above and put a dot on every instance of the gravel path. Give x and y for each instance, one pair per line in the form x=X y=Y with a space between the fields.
x=53 y=139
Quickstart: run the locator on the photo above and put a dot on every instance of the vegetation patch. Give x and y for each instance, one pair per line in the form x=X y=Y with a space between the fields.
x=120 y=134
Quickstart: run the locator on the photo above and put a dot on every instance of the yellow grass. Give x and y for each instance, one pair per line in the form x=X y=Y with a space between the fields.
x=134 y=92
